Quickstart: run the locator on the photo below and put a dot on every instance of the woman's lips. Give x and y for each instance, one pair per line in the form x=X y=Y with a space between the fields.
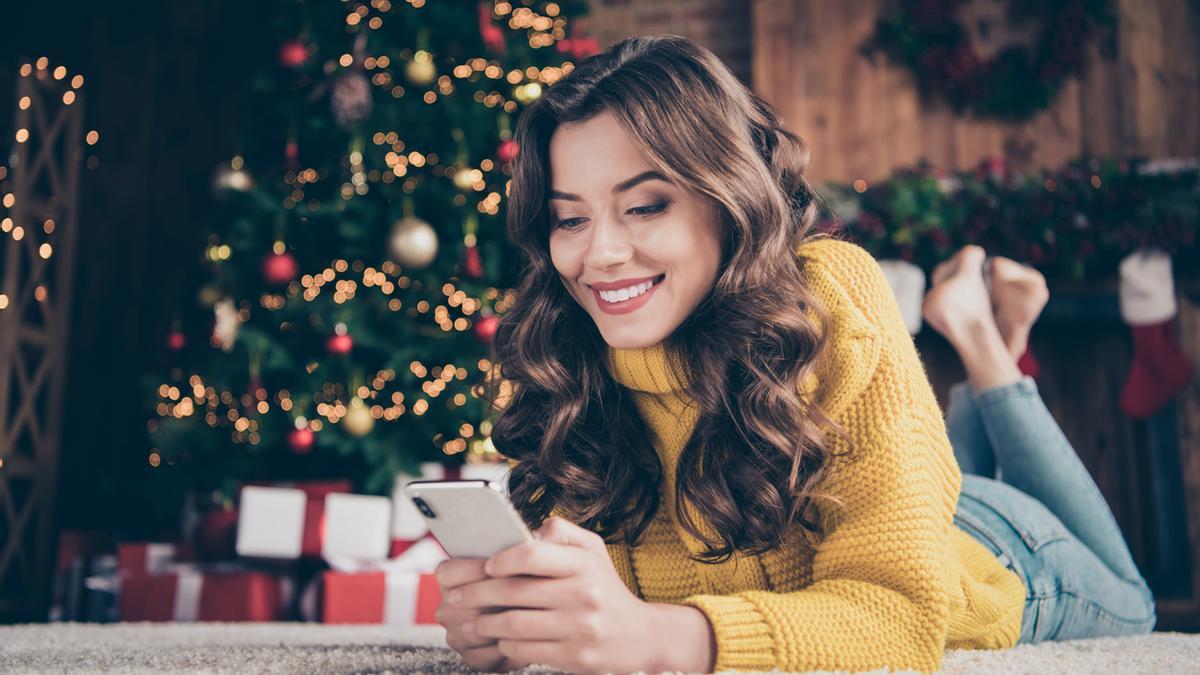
x=629 y=305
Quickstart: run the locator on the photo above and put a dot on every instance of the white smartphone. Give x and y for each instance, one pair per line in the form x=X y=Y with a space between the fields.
x=470 y=518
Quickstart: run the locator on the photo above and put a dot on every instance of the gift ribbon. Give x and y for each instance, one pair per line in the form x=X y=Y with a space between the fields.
x=422 y=557
x=400 y=598
x=188 y=585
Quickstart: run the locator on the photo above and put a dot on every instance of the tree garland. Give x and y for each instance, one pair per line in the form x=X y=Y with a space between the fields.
x=1074 y=222
x=928 y=37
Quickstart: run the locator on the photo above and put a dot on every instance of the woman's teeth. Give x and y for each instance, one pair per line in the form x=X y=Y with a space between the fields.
x=627 y=293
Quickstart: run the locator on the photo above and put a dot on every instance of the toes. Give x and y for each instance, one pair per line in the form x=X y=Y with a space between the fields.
x=973 y=254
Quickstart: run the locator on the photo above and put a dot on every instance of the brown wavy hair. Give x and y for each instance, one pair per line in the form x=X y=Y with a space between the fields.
x=577 y=441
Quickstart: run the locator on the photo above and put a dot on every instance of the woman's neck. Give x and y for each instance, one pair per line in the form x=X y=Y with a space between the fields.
x=653 y=369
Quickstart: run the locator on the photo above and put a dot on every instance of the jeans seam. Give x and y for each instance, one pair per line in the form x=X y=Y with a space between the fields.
x=1030 y=539
x=1104 y=610
x=1003 y=391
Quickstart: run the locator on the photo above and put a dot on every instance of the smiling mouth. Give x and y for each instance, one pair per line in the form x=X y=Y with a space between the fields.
x=628 y=302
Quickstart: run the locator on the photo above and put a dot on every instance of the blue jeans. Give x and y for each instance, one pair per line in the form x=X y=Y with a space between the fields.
x=1028 y=498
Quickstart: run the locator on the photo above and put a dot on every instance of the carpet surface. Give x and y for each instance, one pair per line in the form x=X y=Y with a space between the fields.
x=317 y=648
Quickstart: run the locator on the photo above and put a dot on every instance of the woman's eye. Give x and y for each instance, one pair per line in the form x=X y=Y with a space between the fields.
x=647 y=210
x=565 y=224
x=637 y=211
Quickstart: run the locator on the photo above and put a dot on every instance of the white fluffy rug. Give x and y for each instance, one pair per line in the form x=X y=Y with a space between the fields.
x=316 y=648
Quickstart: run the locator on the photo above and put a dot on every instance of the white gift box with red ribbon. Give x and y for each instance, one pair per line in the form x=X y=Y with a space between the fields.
x=272 y=524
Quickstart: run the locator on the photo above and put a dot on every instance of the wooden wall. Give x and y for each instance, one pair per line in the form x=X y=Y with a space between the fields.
x=862 y=120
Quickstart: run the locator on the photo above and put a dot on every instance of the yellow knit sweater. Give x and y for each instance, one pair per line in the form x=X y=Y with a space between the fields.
x=894 y=583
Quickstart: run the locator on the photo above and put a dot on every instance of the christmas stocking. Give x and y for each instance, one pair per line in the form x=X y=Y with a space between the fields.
x=1028 y=363
x=1159 y=368
x=908 y=285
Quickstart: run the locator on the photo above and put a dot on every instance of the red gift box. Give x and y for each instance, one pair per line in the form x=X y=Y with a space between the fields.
x=139 y=558
x=393 y=598
x=195 y=593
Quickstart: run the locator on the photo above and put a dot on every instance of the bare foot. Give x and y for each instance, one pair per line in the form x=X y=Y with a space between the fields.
x=1018 y=294
x=958 y=305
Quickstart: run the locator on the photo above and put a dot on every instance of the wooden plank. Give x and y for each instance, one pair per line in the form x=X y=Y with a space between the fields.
x=1188 y=323
x=864 y=120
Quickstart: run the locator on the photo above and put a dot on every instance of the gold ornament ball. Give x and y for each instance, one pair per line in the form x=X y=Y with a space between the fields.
x=358 y=418
x=528 y=92
x=226 y=179
x=420 y=72
x=465 y=177
x=414 y=242
x=209 y=295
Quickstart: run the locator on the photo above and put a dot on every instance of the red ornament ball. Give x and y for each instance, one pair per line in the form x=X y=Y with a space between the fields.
x=485 y=328
x=340 y=344
x=472 y=264
x=301 y=440
x=216 y=535
x=293 y=54
x=507 y=151
x=176 y=340
x=278 y=269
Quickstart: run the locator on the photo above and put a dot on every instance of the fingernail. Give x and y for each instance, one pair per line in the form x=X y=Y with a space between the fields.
x=468 y=627
x=454 y=596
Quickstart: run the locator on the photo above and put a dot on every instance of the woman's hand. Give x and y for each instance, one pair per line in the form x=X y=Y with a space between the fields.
x=478 y=653
x=561 y=603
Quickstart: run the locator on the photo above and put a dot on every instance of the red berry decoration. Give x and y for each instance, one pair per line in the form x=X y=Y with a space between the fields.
x=216 y=535
x=493 y=37
x=293 y=54
x=291 y=152
x=472 y=264
x=176 y=340
x=340 y=344
x=507 y=151
x=301 y=440
x=278 y=269
x=485 y=328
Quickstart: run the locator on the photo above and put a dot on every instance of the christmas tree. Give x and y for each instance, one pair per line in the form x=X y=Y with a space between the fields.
x=360 y=265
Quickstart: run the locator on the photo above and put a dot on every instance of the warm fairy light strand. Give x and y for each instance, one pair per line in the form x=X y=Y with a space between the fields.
x=40 y=69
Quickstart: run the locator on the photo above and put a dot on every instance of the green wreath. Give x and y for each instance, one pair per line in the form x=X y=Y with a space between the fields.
x=1018 y=82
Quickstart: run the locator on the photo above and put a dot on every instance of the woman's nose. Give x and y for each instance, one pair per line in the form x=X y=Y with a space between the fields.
x=609 y=244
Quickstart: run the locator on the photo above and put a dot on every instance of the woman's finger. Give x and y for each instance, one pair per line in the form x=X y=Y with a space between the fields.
x=524 y=624
x=454 y=572
x=488 y=659
x=540 y=558
x=524 y=591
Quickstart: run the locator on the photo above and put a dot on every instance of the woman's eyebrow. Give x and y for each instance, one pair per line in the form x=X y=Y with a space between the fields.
x=619 y=187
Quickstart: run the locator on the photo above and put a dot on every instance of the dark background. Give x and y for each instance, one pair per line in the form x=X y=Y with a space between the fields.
x=165 y=84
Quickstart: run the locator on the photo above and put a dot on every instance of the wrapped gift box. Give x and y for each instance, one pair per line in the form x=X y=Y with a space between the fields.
x=139 y=558
x=283 y=522
x=220 y=592
x=402 y=591
x=81 y=553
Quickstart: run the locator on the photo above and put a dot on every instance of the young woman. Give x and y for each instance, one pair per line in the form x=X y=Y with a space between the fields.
x=725 y=432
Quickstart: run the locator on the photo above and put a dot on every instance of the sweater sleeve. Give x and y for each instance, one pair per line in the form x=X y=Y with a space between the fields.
x=877 y=597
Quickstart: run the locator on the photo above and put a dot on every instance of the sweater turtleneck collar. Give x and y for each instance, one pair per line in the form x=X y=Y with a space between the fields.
x=648 y=369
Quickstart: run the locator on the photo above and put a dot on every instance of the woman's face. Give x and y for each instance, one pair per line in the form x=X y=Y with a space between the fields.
x=617 y=226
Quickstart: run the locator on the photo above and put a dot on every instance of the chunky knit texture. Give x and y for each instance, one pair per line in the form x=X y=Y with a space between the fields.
x=894 y=583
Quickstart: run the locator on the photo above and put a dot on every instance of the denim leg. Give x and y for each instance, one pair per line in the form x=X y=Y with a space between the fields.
x=1035 y=456
x=1071 y=593
x=964 y=426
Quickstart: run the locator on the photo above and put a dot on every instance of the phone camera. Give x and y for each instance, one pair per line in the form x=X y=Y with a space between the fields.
x=424 y=508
